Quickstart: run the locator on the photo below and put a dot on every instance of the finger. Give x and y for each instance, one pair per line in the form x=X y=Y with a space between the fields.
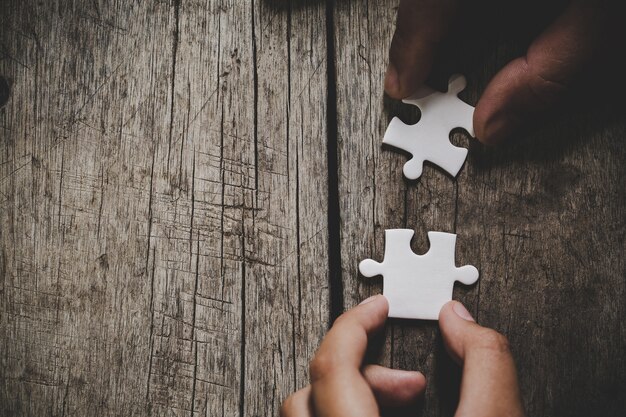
x=489 y=384
x=391 y=387
x=344 y=346
x=394 y=387
x=420 y=27
x=338 y=386
x=298 y=404
x=531 y=85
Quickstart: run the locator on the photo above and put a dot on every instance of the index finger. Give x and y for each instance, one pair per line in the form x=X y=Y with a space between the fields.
x=421 y=25
x=338 y=387
x=345 y=344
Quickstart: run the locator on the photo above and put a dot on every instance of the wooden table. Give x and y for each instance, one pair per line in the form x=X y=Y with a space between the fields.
x=187 y=187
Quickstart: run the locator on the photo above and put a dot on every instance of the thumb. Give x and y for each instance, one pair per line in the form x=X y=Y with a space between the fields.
x=489 y=384
x=555 y=64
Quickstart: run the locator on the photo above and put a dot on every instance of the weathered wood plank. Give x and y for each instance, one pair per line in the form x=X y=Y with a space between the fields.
x=517 y=212
x=371 y=191
x=286 y=237
x=374 y=195
x=164 y=234
x=163 y=226
x=89 y=97
x=549 y=239
x=371 y=196
x=142 y=230
x=202 y=192
x=309 y=168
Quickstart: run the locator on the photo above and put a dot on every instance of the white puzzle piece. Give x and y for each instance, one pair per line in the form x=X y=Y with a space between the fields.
x=429 y=138
x=417 y=286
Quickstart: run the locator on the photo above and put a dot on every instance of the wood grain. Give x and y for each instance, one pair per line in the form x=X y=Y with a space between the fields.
x=187 y=187
x=374 y=194
x=286 y=289
x=162 y=243
x=543 y=220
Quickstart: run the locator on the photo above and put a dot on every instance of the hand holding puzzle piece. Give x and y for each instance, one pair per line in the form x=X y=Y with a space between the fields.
x=428 y=139
x=417 y=286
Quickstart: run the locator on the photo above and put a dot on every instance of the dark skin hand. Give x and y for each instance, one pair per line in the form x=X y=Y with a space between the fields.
x=342 y=386
x=523 y=90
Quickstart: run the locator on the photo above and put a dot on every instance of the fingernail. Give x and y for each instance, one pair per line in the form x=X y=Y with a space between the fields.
x=367 y=300
x=392 y=84
x=462 y=312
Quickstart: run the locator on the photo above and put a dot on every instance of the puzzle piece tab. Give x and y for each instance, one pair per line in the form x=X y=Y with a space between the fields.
x=429 y=138
x=417 y=286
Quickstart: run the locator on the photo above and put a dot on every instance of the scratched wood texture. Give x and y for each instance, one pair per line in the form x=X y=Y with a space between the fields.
x=186 y=188
x=163 y=169
x=544 y=221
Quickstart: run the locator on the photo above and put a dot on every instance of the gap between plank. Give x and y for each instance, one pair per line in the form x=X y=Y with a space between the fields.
x=335 y=283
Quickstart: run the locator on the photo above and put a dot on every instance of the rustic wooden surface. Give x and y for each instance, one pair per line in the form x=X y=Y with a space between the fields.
x=186 y=188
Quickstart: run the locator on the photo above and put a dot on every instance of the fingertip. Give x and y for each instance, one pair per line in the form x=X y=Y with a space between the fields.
x=414 y=381
x=479 y=126
x=455 y=322
x=452 y=311
x=420 y=381
x=420 y=29
x=460 y=310
x=297 y=404
x=392 y=82
x=492 y=125
x=399 y=89
x=400 y=85
x=411 y=386
x=447 y=309
x=394 y=387
x=377 y=301
x=373 y=312
x=380 y=306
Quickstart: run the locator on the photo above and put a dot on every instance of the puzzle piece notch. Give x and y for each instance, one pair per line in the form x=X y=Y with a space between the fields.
x=417 y=286
x=429 y=138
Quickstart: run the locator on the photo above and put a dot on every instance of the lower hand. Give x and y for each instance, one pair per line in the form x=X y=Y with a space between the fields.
x=342 y=386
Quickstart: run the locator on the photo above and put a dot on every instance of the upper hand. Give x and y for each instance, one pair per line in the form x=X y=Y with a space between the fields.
x=525 y=88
